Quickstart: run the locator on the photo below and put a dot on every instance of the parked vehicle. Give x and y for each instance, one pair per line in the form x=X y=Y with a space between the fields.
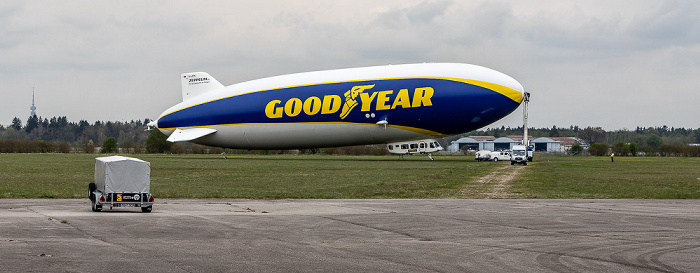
x=502 y=156
x=483 y=156
x=121 y=182
x=519 y=155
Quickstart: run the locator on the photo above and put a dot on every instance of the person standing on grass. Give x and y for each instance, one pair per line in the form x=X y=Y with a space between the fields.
x=612 y=157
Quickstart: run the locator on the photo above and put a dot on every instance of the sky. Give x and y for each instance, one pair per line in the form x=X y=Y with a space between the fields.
x=610 y=64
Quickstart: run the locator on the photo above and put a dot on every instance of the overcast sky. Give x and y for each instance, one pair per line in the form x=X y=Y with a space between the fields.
x=615 y=64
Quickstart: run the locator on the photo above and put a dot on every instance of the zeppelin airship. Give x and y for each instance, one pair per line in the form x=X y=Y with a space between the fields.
x=332 y=108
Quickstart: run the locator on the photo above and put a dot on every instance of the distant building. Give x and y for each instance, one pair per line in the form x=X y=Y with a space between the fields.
x=504 y=143
x=545 y=144
x=568 y=142
x=457 y=145
x=478 y=143
x=473 y=143
x=520 y=137
x=541 y=144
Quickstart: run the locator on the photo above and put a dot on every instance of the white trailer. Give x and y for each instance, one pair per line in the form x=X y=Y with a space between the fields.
x=121 y=182
x=484 y=155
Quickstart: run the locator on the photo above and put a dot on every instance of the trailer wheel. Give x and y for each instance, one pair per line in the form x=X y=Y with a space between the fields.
x=91 y=188
x=147 y=209
x=95 y=206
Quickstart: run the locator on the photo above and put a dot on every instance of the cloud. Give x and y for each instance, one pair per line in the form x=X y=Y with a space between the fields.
x=80 y=53
x=671 y=23
x=415 y=15
x=585 y=34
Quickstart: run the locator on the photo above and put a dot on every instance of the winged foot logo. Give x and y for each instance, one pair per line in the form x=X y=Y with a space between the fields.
x=370 y=101
x=350 y=99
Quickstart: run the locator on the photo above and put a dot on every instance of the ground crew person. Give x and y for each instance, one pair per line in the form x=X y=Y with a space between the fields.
x=612 y=157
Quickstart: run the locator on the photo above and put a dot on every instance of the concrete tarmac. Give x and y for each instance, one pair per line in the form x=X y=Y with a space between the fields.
x=486 y=235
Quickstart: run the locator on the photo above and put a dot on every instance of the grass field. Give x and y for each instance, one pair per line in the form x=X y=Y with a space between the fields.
x=249 y=176
x=597 y=177
x=323 y=176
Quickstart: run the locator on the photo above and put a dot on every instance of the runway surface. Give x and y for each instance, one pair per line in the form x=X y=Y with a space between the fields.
x=486 y=235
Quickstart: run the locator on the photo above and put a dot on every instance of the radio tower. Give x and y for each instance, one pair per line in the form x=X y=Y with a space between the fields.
x=33 y=108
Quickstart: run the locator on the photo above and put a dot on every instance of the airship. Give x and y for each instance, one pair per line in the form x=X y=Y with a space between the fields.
x=342 y=107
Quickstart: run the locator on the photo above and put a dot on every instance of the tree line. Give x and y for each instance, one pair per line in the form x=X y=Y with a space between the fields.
x=58 y=134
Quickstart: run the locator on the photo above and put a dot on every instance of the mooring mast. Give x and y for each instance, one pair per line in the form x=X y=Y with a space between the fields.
x=526 y=99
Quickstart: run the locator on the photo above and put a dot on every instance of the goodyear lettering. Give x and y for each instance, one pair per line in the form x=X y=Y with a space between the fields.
x=351 y=99
x=271 y=111
x=331 y=104
x=402 y=100
x=367 y=101
x=382 y=99
x=312 y=106
x=293 y=107
x=422 y=97
x=370 y=101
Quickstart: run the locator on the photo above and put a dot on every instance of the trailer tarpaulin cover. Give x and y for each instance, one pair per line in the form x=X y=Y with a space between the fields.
x=122 y=174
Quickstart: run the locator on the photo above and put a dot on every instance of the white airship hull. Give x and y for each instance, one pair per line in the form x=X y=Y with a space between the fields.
x=284 y=136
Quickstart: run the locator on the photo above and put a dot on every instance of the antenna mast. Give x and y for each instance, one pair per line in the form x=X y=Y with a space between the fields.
x=33 y=107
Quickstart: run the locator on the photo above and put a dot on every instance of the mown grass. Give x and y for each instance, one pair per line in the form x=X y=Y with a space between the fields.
x=598 y=177
x=324 y=176
x=250 y=176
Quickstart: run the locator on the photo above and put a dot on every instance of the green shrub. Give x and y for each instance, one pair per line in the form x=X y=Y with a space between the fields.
x=598 y=149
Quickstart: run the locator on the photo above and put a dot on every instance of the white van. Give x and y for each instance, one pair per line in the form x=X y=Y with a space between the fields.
x=519 y=155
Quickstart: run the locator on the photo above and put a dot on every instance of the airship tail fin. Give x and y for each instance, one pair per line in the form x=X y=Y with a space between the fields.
x=189 y=134
x=197 y=83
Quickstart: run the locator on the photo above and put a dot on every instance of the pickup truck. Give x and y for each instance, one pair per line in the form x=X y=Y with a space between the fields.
x=502 y=156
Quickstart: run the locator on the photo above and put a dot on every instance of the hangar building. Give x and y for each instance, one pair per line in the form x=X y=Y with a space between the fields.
x=542 y=144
